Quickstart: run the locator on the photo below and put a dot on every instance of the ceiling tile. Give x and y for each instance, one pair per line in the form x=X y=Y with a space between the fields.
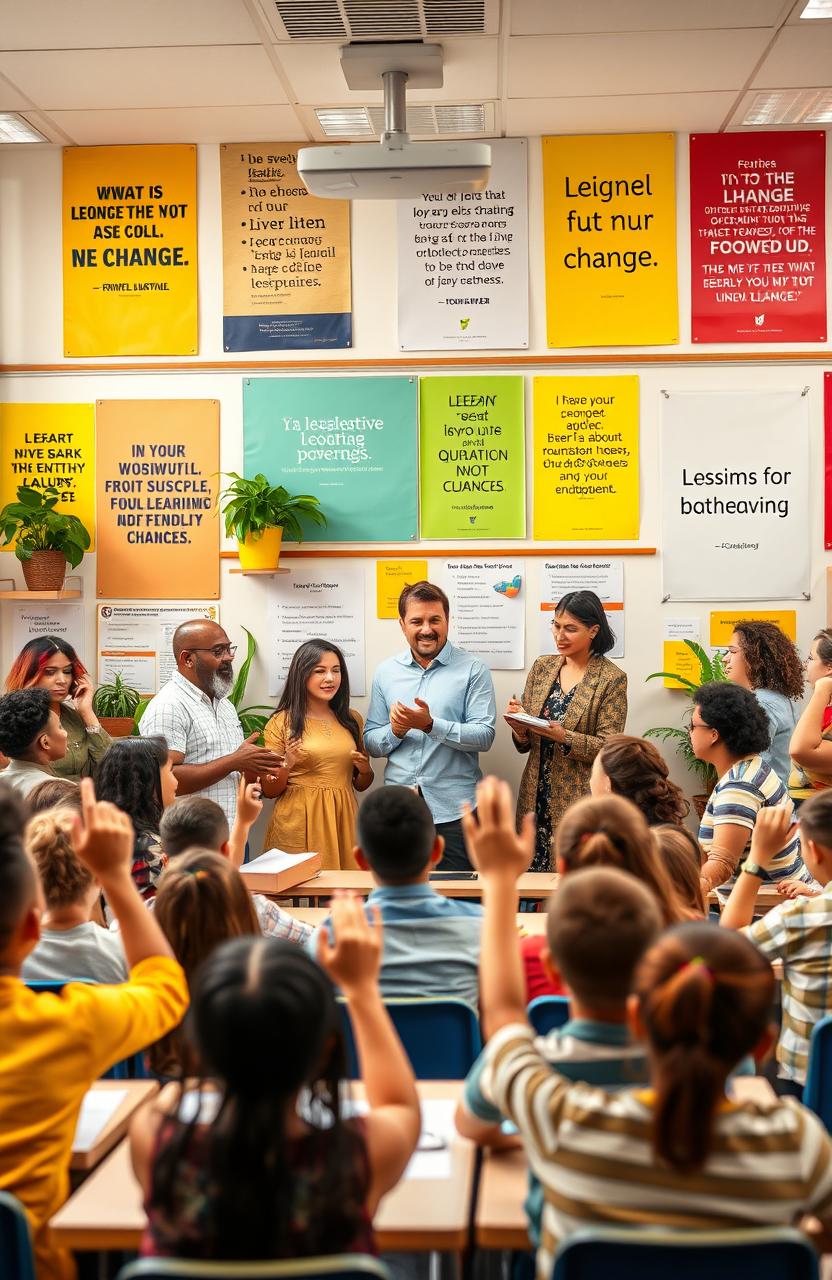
x=639 y=113
x=11 y=99
x=800 y=56
x=560 y=17
x=195 y=124
x=314 y=71
x=103 y=24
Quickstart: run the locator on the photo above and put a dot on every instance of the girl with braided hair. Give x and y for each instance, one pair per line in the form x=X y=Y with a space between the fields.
x=634 y=768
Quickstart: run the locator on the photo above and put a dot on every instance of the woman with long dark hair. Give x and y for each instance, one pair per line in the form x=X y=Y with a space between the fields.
x=51 y=663
x=319 y=737
x=136 y=776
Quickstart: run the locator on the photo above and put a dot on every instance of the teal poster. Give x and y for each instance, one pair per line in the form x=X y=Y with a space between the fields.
x=351 y=442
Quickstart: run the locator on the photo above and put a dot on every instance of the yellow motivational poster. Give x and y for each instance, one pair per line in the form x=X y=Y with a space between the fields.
x=130 y=251
x=391 y=578
x=609 y=210
x=50 y=444
x=724 y=623
x=586 y=484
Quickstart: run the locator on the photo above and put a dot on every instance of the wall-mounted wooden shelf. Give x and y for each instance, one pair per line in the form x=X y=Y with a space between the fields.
x=428 y=552
x=259 y=573
x=66 y=593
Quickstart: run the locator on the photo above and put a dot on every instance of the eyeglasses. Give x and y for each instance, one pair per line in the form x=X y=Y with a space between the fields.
x=218 y=650
x=697 y=725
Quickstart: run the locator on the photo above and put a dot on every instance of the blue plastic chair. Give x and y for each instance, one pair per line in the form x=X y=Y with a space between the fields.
x=441 y=1037
x=340 y=1266
x=132 y=1068
x=547 y=1013
x=817 y=1093
x=16 y=1258
x=767 y=1253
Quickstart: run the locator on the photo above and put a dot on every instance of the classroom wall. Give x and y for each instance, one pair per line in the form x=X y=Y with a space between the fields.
x=31 y=333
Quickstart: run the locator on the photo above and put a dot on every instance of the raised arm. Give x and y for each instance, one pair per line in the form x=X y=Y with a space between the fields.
x=808 y=747
x=771 y=833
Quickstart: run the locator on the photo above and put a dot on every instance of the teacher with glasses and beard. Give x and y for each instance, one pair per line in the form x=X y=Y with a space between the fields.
x=193 y=714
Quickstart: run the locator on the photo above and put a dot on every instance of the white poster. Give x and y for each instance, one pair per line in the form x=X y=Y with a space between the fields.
x=312 y=602
x=62 y=620
x=135 y=641
x=735 y=495
x=464 y=262
x=488 y=610
x=604 y=577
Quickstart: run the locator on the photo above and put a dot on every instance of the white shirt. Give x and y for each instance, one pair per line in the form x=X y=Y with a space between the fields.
x=201 y=728
x=85 y=952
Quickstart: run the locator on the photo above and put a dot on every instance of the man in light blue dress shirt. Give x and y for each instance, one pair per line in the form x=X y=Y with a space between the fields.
x=432 y=710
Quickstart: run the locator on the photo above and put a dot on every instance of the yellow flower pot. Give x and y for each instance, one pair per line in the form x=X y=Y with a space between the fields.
x=260 y=551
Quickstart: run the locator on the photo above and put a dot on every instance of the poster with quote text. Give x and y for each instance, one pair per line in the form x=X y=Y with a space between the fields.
x=50 y=445
x=317 y=599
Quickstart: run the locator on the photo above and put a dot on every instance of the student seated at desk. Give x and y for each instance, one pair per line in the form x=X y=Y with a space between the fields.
x=680 y=1151
x=71 y=944
x=431 y=943
x=269 y=1166
x=55 y=1046
x=599 y=925
x=195 y=822
x=32 y=736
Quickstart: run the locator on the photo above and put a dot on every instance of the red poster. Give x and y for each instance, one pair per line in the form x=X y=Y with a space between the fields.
x=827 y=459
x=757 y=218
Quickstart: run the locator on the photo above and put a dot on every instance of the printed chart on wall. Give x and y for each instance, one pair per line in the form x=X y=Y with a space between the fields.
x=464 y=262
x=757 y=218
x=136 y=641
x=312 y=601
x=472 y=458
x=50 y=444
x=350 y=442
x=286 y=254
x=488 y=609
x=130 y=251
x=610 y=240
x=64 y=620
x=586 y=458
x=158 y=530
x=724 y=623
x=604 y=577
x=735 y=495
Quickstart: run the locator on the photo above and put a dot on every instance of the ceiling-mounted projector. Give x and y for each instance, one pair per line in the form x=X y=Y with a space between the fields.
x=394 y=168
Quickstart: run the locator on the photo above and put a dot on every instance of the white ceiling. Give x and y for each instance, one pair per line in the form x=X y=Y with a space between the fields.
x=117 y=71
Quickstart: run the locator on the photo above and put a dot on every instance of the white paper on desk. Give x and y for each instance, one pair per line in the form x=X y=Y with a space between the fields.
x=273 y=860
x=97 y=1109
x=438 y=1121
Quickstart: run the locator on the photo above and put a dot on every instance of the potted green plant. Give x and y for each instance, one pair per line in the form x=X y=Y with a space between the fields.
x=46 y=540
x=258 y=514
x=252 y=717
x=710 y=669
x=115 y=705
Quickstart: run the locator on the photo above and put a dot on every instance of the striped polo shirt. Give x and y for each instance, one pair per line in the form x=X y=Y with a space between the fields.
x=799 y=932
x=592 y=1152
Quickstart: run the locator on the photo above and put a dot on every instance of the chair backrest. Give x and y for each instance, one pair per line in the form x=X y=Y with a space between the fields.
x=546 y=1013
x=441 y=1037
x=16 y=1259
x=132 y=1068
x=340 y=1266
x=818 y=1091
x=767 y=1253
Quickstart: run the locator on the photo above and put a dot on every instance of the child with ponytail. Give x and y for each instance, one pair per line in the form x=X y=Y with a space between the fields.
x=681 y=1153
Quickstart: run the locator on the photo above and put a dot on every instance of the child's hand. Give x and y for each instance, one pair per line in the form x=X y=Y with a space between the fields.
x=293 y=752
x=493 y=845
x=249 y=802
x=102 y=836
x=796 y=889
x=771 y=833
x=353 y=959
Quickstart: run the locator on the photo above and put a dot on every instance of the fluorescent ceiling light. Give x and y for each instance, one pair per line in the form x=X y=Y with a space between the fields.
x=13 y=128
x=790 y=106
x=817 y=9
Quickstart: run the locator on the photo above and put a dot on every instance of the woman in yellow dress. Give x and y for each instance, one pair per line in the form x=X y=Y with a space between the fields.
x=320 y=740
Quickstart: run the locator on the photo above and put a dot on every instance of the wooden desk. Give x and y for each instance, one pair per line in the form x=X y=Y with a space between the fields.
x=534 y=884
x=500 y=1219
x=137 y=1091
x=533 y=922
x=419 y=1214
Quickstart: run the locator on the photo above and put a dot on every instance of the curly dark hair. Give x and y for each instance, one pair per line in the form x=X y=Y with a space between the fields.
x=772 y=660
x=23 y=715
x=637 y=771
x=129 y=776
x=736 y=715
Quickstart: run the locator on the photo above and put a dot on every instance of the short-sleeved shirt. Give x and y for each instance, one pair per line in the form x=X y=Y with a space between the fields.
x=86 y=952
x=201 y=728
x=749 y=786
x=782 y=716
x=799 y=932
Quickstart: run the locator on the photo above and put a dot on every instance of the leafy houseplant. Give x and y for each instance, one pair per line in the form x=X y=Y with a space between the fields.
x=710 y=669
x=258 y=514
x=46 y=539
x=115 y=705
x=251 y=718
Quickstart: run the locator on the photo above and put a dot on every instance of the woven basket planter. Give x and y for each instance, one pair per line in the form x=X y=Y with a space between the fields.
x=45 y=571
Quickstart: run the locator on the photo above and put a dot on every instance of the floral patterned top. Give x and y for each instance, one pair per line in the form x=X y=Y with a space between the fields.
x=554 y=708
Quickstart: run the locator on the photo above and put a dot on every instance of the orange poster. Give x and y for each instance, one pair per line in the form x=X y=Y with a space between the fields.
x=156 y=486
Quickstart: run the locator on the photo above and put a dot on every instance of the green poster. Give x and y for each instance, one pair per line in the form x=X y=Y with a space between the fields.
x=351 y=442
x=472 y=457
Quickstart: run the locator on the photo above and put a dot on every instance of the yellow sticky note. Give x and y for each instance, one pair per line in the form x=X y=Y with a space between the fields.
x=724 y=622
x=679 y=658
x=391 y=577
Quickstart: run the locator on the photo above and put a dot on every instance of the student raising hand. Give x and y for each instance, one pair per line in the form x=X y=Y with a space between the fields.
x=494 y=846
x=103 y=835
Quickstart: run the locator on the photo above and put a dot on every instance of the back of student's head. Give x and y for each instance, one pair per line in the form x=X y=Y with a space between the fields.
x=704 y=998
x=600 y=923
x=193 y=822
x=48 y=838
x=265 y=1023
x=130 y=777
x=54 y=793
x=609 y=831
x=680 y=852
x=24 y=715
x=638 y=771
x=396 y=833
x=816 y=818
x=18 y=883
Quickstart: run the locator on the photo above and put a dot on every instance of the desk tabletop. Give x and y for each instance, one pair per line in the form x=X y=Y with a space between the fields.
x=533 y=884
x=422 y=1213
x=136 y=1092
